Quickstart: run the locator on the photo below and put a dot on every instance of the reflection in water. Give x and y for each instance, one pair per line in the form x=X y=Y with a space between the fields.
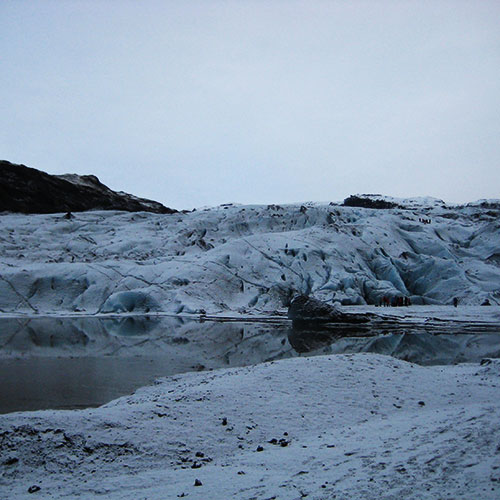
x=427 y=343
x=306 y=337
x=81 y=362
x=73 y=362
x=131 y=326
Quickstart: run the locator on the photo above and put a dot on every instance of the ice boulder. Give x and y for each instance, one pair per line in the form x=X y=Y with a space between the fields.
x=130 y=301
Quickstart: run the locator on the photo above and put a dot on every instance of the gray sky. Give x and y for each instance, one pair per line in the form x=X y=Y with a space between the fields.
x=197 y=103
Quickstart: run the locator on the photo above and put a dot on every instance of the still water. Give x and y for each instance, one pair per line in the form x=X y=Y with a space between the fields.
x=68 y=363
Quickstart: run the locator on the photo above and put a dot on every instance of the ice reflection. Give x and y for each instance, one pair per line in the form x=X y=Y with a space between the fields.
x=75 y=362
x=428 y=343
x=87 y=361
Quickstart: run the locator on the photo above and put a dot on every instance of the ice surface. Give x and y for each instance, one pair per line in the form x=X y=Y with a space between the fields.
x=129 y=301
x=249 y=259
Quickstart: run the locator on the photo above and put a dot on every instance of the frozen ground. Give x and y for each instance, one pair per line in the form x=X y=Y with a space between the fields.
x=248 y=259
x=360 y=426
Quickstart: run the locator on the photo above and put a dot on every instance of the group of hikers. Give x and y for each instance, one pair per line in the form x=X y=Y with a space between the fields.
x=424 y=221
x=395 y=301
x=399 y=300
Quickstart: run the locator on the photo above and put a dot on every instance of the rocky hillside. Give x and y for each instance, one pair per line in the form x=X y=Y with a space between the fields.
x=250 y=259
x=30 y=191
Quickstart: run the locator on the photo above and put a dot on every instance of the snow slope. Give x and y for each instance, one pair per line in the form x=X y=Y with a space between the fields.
x=248 y=259
x=348 y=426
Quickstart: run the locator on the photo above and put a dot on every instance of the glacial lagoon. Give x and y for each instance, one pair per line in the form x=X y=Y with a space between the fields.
x=80 y=362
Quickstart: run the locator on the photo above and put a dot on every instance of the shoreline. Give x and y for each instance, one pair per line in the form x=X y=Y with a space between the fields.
x=356 y=426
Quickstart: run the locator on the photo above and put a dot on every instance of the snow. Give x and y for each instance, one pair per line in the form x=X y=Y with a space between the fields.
x=354 y=426
x=81 y=180
x=417 y=202
x=333 y=425
x=249 y=259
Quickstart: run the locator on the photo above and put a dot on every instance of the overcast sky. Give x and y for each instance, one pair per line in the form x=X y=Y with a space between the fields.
x=196 y=103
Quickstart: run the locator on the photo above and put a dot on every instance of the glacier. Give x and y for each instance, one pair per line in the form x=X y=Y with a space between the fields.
x=249 y=259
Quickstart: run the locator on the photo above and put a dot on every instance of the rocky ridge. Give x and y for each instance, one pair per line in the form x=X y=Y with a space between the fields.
x=30 y=191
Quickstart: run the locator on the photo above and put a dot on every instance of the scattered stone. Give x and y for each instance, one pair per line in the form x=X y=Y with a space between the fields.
x=224 y=421
x=421 y=403
x=197 y=482
x=34 y=488
x=11 y=461
x=259 y=448
x=199 y=454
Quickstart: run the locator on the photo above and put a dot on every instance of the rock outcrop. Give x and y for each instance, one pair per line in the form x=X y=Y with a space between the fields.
x=305 y=309
x=27 y=190
x=367 y=202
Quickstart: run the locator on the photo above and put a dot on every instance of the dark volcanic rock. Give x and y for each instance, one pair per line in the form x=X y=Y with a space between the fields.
x=307 y=309
x=359 y=201
x=27 y=190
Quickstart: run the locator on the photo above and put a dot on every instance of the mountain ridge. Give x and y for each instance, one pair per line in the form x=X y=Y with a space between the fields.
x=28 y=190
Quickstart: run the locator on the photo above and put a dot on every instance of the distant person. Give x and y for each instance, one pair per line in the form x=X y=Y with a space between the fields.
x=455 y=302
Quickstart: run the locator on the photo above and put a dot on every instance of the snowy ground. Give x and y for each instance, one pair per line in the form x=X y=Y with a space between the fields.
x=360 y=426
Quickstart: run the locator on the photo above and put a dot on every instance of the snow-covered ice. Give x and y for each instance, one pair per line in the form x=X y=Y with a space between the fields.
x=248 y=259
